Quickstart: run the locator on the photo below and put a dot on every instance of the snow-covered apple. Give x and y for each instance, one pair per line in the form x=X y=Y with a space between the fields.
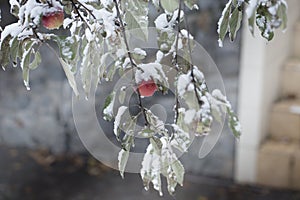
x=53 y=19
x=147 y=88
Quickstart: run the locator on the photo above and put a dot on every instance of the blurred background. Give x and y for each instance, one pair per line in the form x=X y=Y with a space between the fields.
x=42 y=157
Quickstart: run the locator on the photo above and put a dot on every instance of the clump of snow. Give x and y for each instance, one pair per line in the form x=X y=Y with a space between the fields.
x=163 y=24
x=159 y=56
x=150 y=71
x=140 y=52
x=184 y=80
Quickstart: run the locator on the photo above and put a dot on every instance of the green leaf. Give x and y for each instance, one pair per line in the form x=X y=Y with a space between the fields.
x=25 y=61
x=151 y=169
x=170 y=5
x=108 y=106
x=251 y=22
x=223 y=23
x=235 y=23
x=119 y=120
x=14 y=49
x=181 y=139
x=70 y=76
x=234 y=123
x=179 y=171
x=123 y=158
x=136 y=17
x=86 y=69
x=36 y=61
x=157 y=145
x=68 y=47
x=282 y=14
x=122 y=94
x=5 y=51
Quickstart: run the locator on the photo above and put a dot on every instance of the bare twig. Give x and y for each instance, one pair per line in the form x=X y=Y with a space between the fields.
x=177 y=36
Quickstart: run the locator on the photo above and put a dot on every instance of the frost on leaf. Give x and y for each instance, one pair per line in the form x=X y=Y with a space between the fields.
x=163 y=163
x=136 y=17
x=109 y=106
x=151 y=71
x=268 y=15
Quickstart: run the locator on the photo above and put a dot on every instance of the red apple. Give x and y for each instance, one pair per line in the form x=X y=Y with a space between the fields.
x=147 y=88
x=53 y=19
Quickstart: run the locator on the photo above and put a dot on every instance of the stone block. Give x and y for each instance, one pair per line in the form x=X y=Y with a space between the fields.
x=285 y=120
x=274 y=167
x=290 y=78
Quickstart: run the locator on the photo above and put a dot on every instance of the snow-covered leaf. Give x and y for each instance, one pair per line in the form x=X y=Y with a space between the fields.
x=70 y=76
x=150 y=171
x=136 y=17
x=108 y=106
x=118 y=120
x=181 y=139
x=36 y=61
x=156 y=144
x=123 y=158
x=5 y=51
x=155 y=124
x=178 y=170
x=282 y=14
x=223 y=23
x=122 y=94
x=14 y=50
x=234 y=123
x=235 y=23
x=25 y=61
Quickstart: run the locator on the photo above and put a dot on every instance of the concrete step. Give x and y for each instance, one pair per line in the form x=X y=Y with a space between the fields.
x=290 y=84
x=276 y=165
x=285 y=120
x=297 y=40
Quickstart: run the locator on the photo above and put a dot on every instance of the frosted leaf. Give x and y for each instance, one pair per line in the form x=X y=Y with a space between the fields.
x=151 y=71
x=118 y=118
x=136 y=17
x=181 y=139
x=223 y=23
x=108 y=106
x=184 y=81
x=122 y=161
x=189 y=116
x=155 y=124
x=70 y=76
x=150 y=171
x=170 y=5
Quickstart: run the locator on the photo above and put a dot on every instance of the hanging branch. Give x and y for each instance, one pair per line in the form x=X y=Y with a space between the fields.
x=176 y=107
x=200 y=102
x=88 y=10
x=133 y=65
